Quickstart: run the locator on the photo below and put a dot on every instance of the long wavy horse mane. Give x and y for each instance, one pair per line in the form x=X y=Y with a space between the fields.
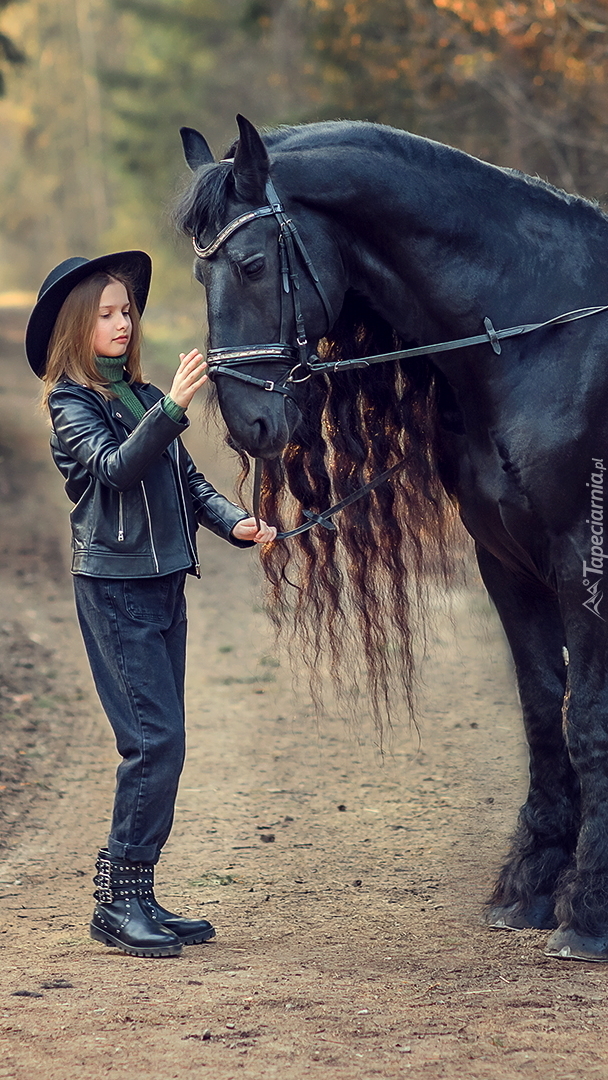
x=355 y=602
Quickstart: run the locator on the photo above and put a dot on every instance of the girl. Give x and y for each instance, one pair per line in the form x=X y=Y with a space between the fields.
x=138 y=502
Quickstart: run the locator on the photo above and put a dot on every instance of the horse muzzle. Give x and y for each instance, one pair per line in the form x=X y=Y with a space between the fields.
x=258 y=422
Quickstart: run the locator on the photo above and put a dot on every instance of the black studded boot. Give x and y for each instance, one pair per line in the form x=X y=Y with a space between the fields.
x=189 y=931
x=120 y=918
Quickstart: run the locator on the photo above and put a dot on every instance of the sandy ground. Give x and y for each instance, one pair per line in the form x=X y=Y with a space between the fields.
x=347 y=891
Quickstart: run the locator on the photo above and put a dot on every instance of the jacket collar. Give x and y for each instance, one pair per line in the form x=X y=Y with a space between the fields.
x=120 y=411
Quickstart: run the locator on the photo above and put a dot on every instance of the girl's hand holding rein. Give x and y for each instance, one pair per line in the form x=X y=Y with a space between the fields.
x=247 y=529
x=188 y=378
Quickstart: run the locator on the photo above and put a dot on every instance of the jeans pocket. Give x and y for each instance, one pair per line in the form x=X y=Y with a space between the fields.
x=146 y=598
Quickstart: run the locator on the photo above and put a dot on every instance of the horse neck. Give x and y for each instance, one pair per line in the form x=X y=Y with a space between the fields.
x=433 y=235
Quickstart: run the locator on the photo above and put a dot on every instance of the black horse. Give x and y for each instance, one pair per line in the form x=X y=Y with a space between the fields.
x=386 y=239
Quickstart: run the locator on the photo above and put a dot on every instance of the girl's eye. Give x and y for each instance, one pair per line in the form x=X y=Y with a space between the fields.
x=254 y=265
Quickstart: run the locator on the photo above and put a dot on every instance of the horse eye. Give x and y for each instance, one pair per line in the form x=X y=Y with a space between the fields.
x=253 y=265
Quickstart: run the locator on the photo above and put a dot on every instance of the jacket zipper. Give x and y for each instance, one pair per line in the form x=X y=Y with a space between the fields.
x=197 y=568
x=121 y=521
x=149 y=526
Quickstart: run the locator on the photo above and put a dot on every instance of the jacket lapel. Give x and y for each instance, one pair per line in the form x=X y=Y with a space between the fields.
x=122 y=414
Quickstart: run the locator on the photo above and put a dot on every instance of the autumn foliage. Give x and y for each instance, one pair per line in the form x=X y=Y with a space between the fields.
x=522 y=84
x=95 y=90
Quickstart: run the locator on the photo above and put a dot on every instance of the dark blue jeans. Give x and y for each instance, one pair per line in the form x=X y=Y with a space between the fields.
x=134 y=632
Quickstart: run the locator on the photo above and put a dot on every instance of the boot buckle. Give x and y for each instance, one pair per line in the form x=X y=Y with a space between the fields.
x=103 y=880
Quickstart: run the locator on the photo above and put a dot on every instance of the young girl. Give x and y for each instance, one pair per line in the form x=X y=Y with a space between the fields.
x=138 y=502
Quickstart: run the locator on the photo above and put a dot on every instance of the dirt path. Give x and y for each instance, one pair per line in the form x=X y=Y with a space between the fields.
x=346 y=892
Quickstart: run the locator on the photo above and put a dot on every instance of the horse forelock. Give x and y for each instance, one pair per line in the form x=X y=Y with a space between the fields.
x=205 y=201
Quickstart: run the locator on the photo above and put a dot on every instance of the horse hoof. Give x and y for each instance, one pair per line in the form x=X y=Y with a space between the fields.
x=538 y=916
x=566 y=944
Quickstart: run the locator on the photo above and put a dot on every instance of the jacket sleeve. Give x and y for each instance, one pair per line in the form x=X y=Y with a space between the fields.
x=213 y=511
x=83 y=431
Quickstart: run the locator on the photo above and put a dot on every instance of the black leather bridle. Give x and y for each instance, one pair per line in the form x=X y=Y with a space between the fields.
x=300 y=363
x=226 y=361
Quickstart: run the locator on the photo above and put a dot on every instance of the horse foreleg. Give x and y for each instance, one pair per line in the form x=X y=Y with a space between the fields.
x=582 y=905
x=543 y=844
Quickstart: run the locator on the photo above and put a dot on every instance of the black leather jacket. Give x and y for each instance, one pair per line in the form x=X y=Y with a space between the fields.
x=139 y=499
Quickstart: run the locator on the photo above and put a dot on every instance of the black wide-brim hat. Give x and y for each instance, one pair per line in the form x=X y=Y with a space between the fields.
x=136 y=266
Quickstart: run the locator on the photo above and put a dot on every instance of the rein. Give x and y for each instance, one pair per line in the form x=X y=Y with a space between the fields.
x=323 y=519
x=301 y=364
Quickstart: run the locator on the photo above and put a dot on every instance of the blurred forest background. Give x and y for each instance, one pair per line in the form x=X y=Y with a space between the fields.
x=93 y=92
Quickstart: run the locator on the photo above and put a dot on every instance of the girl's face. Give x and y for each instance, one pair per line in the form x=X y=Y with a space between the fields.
x=113 y=328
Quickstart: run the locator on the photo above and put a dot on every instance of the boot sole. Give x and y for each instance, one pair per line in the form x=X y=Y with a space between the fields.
x=132 y=950
x=198 y=939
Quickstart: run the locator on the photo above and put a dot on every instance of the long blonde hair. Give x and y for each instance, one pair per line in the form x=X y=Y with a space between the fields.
x=71 y=354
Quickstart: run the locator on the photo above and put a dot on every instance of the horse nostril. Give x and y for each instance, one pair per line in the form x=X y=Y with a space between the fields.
x=263 y=441
x=262 y=427
x=260 y=432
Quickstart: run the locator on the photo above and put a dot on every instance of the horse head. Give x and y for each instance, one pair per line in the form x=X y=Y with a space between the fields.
x=267 y=306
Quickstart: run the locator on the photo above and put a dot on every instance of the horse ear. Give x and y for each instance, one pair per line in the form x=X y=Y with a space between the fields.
x=196 y=148
x=251 y=164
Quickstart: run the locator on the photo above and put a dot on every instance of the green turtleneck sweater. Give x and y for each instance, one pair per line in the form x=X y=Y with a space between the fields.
x=113 y=370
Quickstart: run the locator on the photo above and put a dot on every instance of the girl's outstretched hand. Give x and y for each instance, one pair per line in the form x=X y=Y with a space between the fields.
x=246 y=529
x=188 y=378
